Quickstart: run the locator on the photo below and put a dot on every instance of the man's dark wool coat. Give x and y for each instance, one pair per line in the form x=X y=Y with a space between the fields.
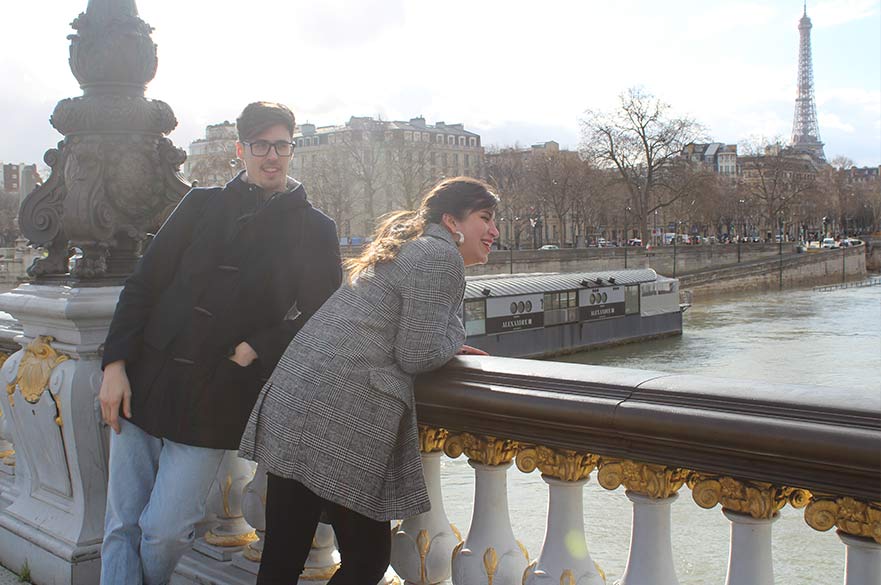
x=227 y=266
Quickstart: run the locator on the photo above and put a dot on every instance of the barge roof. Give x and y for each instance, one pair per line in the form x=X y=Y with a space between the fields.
x=524 y=284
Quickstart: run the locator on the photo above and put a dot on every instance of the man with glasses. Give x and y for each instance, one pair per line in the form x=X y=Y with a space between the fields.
x=218 y=295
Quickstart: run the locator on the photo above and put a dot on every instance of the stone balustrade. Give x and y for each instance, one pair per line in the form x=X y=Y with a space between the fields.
x=744 y=448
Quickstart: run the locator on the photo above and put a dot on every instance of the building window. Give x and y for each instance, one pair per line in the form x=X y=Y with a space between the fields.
x=440 y=139
x=426 y=137
x=461 y=141
x=408 y=136
x=451 y=140
x=472 y=141
x=299 y=142
x=308 y=142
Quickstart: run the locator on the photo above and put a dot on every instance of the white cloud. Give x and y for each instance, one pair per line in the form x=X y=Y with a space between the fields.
x=499 y=66
x=828 y=121
x=831 y=13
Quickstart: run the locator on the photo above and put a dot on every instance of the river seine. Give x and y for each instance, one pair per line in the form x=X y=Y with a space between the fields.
x=831 y=339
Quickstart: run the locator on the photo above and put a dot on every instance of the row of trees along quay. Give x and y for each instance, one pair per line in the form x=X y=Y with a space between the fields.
x=634 y=176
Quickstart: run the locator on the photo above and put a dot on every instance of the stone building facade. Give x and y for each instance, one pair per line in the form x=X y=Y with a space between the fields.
x=360 y=170
x=212 y=160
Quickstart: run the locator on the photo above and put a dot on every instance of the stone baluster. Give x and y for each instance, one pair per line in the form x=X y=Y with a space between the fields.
x=254 y=513
x=752 y=507
x=7 y=453
x=490 y=554
x=652 y=489
x=323 y=560
x=423 y=545
x=564 y=556
x=859 y=528
x=230 y=533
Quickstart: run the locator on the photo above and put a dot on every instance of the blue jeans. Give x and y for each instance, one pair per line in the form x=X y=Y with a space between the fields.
x=155 y=496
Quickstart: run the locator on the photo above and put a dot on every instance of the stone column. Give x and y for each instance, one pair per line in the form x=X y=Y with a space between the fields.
x=423 y=545
x=230 y=533
x=859 y=528
x=564 y=556
x=55 y=521
x=752 y=507
x=652 y=489
x=490 y=554
x=114 y=178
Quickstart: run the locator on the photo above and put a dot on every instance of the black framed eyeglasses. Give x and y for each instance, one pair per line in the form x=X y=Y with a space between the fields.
x=262 y=147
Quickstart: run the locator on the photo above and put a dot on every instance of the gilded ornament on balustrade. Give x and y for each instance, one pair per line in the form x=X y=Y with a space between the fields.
x=231 y=540
x=562 y=464
x=482 y=449
x=35 y=370
x=431 y=439
x=647 y=479
x=851 y=516
x=456 y=532
x=491 y=564
x=756 y=498
x=423 y=543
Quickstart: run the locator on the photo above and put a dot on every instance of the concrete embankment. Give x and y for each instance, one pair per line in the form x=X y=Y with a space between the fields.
x=665 y=260
x=702 y=269
x=787 y=271
x=873 y=254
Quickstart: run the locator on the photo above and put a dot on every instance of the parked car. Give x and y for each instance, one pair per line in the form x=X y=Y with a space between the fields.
x=829 y=243
x=550 y=247
x=634 y=242
x=601 y=242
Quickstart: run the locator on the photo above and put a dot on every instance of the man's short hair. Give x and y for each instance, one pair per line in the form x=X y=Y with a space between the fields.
x=258 y=116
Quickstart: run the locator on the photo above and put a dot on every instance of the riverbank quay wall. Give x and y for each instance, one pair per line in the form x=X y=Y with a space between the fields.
x=784 y=272
x=873 y=254
x=746 y=448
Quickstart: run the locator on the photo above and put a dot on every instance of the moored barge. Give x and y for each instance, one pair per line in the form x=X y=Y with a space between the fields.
x=542 y=315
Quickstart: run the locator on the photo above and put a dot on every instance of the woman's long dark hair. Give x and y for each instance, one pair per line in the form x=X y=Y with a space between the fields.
x=458 y=196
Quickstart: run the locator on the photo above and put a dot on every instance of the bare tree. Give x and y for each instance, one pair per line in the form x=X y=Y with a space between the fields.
x=330 y=181
x=640 y=140
x=506 y=171
x=364 y=147
x=409 y=171
x=776 y=180
x=558 y=180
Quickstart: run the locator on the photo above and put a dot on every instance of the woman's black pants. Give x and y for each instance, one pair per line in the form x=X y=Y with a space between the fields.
x=292 y=514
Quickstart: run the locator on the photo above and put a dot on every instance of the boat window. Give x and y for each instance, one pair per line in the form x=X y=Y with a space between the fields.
x=475 y=317
x=631 y=300
x=561 y=307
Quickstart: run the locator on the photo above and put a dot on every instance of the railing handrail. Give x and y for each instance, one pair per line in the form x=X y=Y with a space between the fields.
x=826 y=440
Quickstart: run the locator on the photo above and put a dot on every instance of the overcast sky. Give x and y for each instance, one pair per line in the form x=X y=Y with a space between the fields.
x=511 y=71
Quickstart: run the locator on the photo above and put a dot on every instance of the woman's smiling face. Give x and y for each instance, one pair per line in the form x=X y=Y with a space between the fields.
x=480 y=232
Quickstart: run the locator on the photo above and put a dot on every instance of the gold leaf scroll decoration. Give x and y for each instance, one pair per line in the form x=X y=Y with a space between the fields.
x=431 y=439
x=35 y=370
x=850 y=515
x=756 y=498
x=562 y=464
x=646 y=479
x=481 y=448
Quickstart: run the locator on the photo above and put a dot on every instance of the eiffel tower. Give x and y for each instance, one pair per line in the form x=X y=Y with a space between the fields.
x=805 y=130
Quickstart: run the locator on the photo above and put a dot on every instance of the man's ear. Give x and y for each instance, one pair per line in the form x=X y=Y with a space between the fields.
x=240 y=150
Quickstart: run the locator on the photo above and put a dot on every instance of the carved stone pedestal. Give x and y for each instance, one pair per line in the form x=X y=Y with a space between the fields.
x=55 y=520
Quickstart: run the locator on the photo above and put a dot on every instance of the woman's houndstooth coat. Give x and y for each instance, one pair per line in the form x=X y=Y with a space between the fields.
x=338 y=413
